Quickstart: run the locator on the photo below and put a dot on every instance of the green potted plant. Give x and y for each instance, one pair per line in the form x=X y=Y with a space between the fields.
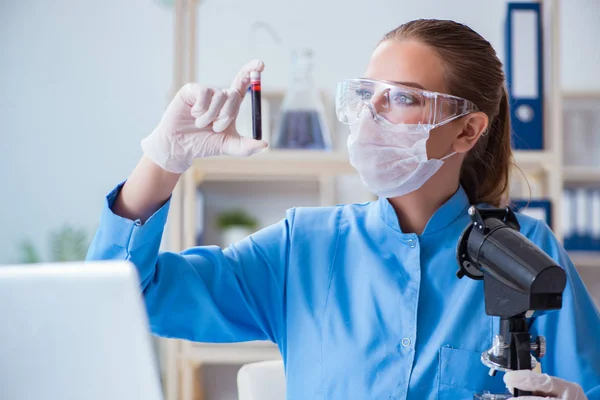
x=66 y=244
x=235 y=225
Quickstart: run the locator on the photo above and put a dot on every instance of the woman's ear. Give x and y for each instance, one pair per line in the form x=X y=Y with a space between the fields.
x=474 y=125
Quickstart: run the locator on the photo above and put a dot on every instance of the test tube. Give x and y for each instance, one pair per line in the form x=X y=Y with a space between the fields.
x=256 y=111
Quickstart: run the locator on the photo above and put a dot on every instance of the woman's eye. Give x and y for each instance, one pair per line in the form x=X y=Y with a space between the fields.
x=405 y=99
x=364 y=94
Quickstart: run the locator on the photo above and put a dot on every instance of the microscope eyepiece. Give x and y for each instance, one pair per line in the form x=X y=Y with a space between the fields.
x=512 y=267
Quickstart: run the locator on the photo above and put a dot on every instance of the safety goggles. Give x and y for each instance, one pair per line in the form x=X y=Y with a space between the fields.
x=398 y=104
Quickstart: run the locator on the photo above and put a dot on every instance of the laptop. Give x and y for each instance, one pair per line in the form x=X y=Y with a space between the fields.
x=74 y=331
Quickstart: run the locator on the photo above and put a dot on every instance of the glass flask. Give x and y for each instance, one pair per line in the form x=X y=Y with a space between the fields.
x=301 y=123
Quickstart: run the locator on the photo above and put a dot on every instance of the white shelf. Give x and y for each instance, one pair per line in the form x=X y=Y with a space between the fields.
x=230 y=353
x=576 y=174
x=534 y=161
x=311 y=164
x=585 y=258
x=273 y=164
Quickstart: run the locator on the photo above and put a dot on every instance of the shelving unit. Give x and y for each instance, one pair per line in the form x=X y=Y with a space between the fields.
x=193 y=356
x=585 y=259
x=271 y=165
x=581 y=110
x=544 y=167
x=535 y=161
x=274 y=164
x=232 y=353
x=581 y=175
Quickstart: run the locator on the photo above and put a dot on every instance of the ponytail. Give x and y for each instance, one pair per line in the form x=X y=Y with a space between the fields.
x=485 y=172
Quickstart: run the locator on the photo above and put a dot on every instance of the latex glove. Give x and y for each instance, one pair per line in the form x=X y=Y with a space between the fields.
x=543 y=386
x=198 y=123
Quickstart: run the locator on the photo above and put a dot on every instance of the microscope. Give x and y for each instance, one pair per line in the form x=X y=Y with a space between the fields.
x=520 y=282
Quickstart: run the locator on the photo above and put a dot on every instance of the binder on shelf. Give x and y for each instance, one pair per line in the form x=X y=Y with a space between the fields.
x=582 y=219
x=595 y=218
x=539 y=209
x=524 y=74
x=568 y=220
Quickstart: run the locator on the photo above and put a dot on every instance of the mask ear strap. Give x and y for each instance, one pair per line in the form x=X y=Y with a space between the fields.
x=448 y=156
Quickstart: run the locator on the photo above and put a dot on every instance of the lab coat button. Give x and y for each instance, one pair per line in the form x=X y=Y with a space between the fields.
x=406 y=342
x=412 y=243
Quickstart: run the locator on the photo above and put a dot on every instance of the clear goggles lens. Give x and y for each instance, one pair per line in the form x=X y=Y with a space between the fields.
x=397 y=104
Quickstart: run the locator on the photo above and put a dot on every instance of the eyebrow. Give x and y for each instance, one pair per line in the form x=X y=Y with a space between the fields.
x=411 y=84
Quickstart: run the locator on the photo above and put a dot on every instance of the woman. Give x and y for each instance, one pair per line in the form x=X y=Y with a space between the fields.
x=362 y=300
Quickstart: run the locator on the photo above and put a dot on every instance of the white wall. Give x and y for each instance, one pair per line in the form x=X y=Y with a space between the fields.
x=580 y=45
x=82 y=82
x=342 y=33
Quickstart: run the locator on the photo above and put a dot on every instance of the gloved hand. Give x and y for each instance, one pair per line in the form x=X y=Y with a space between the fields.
x=543 y=386
x=198 y=123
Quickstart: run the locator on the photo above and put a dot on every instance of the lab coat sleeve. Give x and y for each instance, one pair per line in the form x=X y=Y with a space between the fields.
x=573 y=332
x=203 y=294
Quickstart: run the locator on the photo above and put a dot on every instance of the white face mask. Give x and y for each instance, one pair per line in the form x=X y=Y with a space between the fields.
x=391 y=159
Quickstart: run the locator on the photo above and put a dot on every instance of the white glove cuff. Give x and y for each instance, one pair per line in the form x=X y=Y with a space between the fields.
x=163 y=152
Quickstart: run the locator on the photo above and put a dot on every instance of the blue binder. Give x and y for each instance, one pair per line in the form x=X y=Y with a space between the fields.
x=569 y=214
x=595 y=219
x=582 y=219
x=540 y=209
x=524 y=74
x=582 y=214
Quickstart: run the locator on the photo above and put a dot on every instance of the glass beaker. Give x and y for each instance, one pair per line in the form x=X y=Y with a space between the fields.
x=301 y=123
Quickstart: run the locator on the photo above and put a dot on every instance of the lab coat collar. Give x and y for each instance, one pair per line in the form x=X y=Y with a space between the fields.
x=455 y=207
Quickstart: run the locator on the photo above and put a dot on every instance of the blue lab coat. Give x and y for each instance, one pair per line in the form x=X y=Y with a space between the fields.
x=358 y=309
